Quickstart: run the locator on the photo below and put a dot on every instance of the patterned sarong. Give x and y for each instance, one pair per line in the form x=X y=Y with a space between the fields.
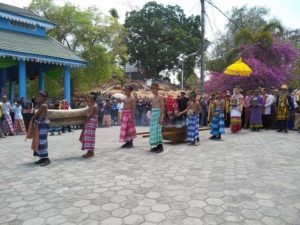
x=43 y=127
x=128 y=131
x=88 y=134
x=7 y=125
x=155 y=128
x=282 y=113
x=19 y=127
x=217 y=125
x=235 y=120
x=193 y=128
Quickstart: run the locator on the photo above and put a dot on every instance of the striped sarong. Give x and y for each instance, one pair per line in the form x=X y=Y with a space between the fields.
x=43 y=126
x=217 y=125
x=19 y=127
x=193 y=128
x=88 y=134
x=155 y=128
x=7 y=125
x=128 y=131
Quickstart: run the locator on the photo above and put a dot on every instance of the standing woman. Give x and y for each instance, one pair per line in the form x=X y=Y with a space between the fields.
x=38 y=130
x=19 y=125
x=236 y=108
x=88 y=134
x=256 y=104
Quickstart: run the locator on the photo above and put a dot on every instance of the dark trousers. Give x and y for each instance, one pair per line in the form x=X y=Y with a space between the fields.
x=227 y=119
x=100 y=119
x=282 y=124
x=267 y=121
x=247 y=117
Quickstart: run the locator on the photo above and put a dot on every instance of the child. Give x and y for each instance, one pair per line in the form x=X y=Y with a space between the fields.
x=217 y=125
x=107 y=114
x=193 y=110
x=156 y=120
x=19 y=125
x=87 y=137
x=128 y=130
x=38 y=130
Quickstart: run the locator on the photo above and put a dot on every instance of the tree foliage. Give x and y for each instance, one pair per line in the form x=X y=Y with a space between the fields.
x=99 y=39
x=158 y=34
x=261 y=44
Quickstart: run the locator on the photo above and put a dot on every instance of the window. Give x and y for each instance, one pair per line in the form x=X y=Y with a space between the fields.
x=22 y=25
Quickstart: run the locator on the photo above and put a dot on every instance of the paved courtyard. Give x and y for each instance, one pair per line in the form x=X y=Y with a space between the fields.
x=246 y=179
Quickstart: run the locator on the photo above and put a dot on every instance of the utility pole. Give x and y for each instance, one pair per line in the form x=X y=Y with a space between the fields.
x=202 y=46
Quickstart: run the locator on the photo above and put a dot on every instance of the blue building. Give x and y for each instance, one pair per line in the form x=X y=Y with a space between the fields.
x=26 y=52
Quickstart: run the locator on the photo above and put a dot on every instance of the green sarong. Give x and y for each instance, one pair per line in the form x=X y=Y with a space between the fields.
x=155 y=128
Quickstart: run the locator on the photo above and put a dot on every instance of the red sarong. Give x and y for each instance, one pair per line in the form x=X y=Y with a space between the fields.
x=128 y=131
x=88 y=134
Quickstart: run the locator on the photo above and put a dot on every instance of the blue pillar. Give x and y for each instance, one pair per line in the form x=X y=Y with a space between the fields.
x=22 y=79
x=67 y=83
x=42 y=81
x=2 y=81
x=11 y=90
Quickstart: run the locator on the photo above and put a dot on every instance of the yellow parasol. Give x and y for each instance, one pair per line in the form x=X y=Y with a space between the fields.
x=238 y=69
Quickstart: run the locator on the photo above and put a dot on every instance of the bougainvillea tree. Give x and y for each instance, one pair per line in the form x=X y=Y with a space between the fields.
x=272 y=66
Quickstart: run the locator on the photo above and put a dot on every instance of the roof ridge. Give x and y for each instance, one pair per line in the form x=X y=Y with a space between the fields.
x=23 y=12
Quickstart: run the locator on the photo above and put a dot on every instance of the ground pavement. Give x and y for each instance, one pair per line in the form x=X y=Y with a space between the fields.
x=246 y=179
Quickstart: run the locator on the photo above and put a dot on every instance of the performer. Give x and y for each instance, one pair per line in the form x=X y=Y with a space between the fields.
x=64 y=105
x=217 y=125
x=236 y=107
x=38 y=130
x=247 y=109
x=211 y=108
x=7 y=124
x=156 y=122
x=19 y=125
x=128 y=130
x=267 y=107
x=1 y=119
x=283 y=105
x=87 y=137
x=256 y=105
x=193 y=109
x=227 y=109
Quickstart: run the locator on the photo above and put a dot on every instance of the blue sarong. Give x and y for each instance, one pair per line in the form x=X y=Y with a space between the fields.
x=155 y=128
x=193 y=128
x=217 y=124
x=43 y=138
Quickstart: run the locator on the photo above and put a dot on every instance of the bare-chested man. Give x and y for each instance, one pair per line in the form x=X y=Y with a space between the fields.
x=217 y=125
x=157 y=112
x=88 y=134
x=128 y=129
x=193 y=110
x=43 y=123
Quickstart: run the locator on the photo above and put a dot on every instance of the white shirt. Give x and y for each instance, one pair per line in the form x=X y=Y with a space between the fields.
x=120 y=106
x=18 y=112
x=268 y=105
x=6 y=108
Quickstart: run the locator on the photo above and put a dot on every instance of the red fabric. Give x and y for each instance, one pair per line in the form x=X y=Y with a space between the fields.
x=235 y=128
x=169 y=104
x=128 y=130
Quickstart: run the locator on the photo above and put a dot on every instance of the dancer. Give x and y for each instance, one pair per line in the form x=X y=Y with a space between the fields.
x=38 y=130
x=19 y=125
x=256 y=104
x=283 y=105
x=87 y=137
x=217 y=125
x=156 y=122
x=236 y=107
x=128 y=130
x=7 y=124
x=193 y=109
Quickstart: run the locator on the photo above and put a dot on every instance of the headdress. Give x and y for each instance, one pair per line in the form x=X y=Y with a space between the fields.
x=284 y=86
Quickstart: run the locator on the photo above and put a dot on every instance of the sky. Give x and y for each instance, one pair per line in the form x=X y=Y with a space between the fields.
x=287 y=11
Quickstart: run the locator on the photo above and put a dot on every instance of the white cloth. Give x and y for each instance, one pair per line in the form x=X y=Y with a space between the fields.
x=7 y=108
x=120 y=106
x=234 y=112
x=18 y=113
x=268 y=105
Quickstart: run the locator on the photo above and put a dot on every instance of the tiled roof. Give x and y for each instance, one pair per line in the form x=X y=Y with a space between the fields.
x=35 y=45
x=22 y=12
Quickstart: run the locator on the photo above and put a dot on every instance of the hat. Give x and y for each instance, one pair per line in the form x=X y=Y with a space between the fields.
x=4 y=96
x=228 y=93
x=183 y=93
x=192 y=94
x=284 y=86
